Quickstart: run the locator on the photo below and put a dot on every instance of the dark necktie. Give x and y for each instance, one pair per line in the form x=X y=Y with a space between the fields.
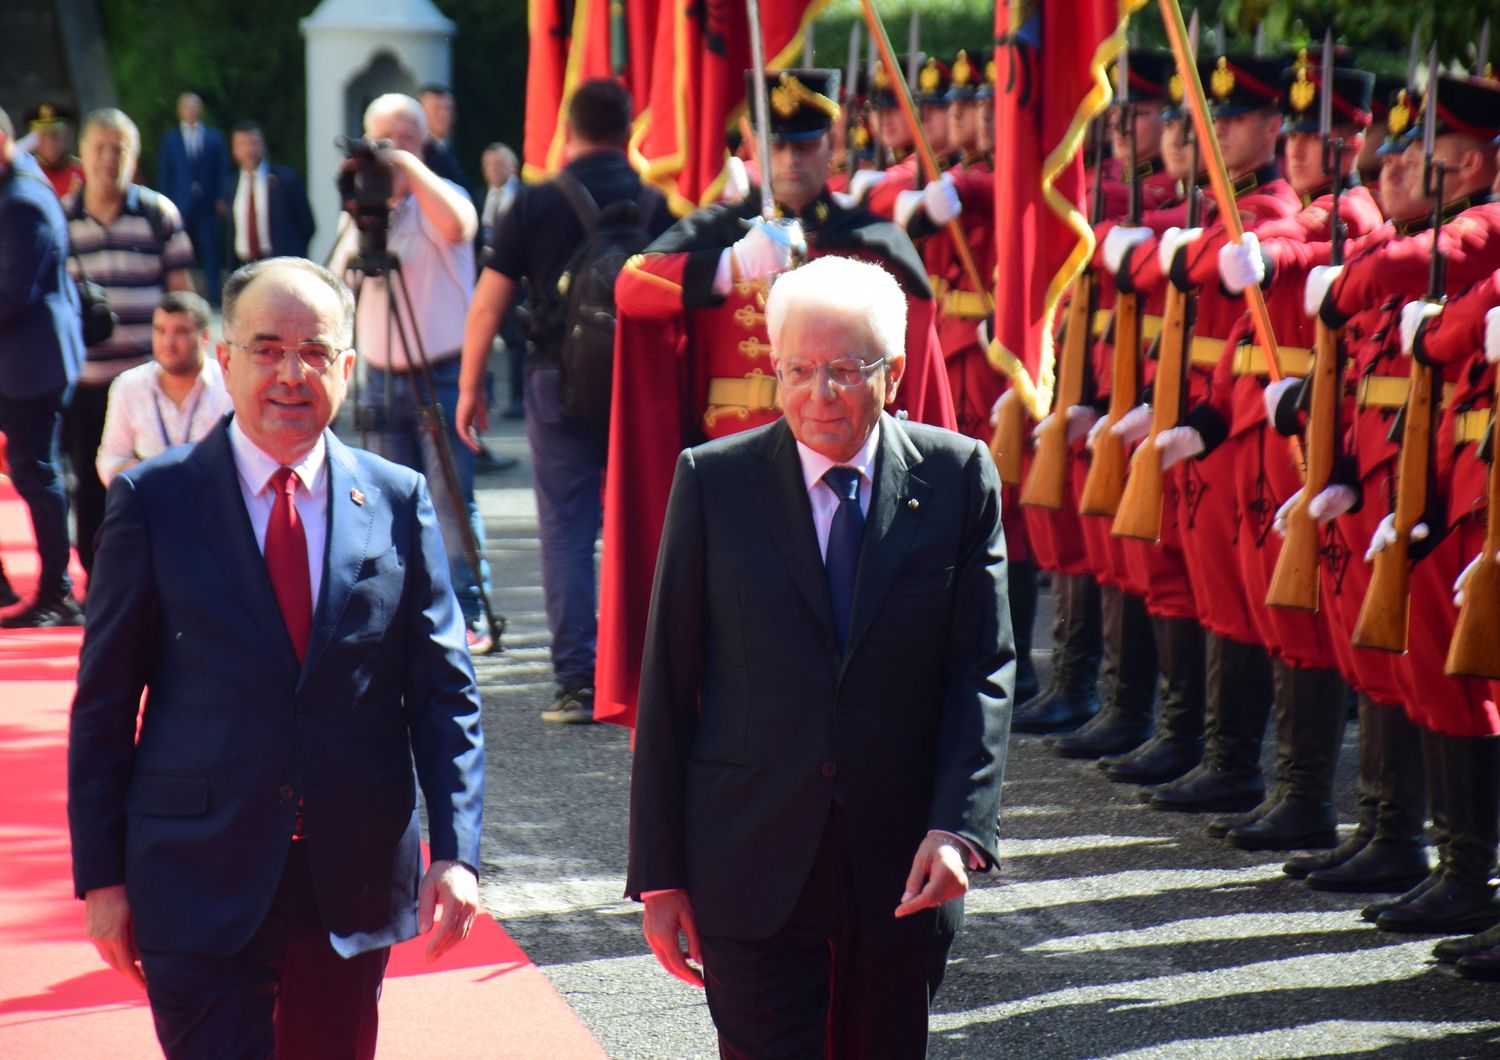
x=286 y=561
x=842 y=558
x=252 y=220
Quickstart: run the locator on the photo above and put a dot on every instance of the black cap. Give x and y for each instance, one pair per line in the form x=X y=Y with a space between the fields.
x=967 y=74
x=933 y=81
x=1239 y=84
x=46 y=117
x=882 y=88
x=1150 y=72
x=1303 y=88
x=986 y=88
x=802 y=104
x=1402 y=120
x=1468 y=105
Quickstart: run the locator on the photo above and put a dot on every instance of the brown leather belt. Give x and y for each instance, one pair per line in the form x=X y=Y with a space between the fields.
x=1251 y=360
x=1470 y=426
x=1389 y=392
x=755 y=393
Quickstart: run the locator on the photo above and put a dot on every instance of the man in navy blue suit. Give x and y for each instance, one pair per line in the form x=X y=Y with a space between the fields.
x=284 y=603
x=266 y=204
x=41 y=350
x=190 y=168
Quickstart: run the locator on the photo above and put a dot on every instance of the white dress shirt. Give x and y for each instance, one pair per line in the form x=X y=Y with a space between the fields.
x=255 y=469
x=141 y=420
x=820 y=494
x=253 y=184
x=192 y=139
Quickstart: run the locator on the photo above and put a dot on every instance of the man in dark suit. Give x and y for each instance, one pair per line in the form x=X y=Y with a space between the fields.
x=190 y=168
x=41 y=351
x=266 y=204
x=826 y=693
x=284 y=603
x=437 y=150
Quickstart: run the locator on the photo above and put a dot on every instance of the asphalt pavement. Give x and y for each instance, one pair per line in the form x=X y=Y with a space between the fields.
x=1110 y=929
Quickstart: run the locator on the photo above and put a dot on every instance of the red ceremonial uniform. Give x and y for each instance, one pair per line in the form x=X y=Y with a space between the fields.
x=691 y=365
x=1208 y=513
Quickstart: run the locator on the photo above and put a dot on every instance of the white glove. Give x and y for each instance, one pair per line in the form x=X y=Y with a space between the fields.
x=1463 y=577
x=942 y=201
x=844 y=199
x=736 y=180
x=767 y=248
x=1134 y=425
x=1332 y=502
x=1412 y=315
x=1173 y=240
x=1118 y=243
x=1080 y=419
x=1097 y=429
x=982 y=333
x=1492 y=336
x=864 y=180
x=1278 y=522
x=1178 y=444
x=1272 y=394
x=1385 y=536
x=1240 y=264
x=1319 y=280
x=1009 y=395
x=907 y=204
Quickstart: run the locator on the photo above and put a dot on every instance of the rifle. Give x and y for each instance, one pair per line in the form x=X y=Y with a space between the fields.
x=1009 y=441
x=1475 y=649
x=1383 y=616
x=1294 y=583
x=1140 y=509
x=1047 y=484
x=1105 y=483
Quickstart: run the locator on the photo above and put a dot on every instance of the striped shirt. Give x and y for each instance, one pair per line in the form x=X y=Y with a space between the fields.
x=130 y=258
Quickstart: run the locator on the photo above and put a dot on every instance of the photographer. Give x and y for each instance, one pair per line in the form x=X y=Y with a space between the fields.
x=429 y=229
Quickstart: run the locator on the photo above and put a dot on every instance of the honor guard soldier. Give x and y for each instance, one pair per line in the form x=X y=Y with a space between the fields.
x=50 y=133
x=692 y=358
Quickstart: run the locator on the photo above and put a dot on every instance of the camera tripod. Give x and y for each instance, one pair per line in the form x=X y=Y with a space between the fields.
x=430 y=419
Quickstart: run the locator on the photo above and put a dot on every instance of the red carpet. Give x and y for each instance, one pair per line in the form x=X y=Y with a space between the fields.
x=57 y=999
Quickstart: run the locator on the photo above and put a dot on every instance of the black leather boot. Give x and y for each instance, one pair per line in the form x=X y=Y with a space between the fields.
x=1127 y=679
x=1312 y=709
x=1484 y=965
x=1368 y=789
x=1177 y=744
x=1464 y=898
x=1074 y=695
x=8 y=595
x=1239 y=703
x=1394 y=857
x=1281 y=722
x=1450 y=950
x=1021 y=585
x=1437 y=799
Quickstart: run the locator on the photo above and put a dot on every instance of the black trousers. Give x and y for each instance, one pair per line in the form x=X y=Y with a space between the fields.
x=826 y=984
x=83 y=428
x=287 y=994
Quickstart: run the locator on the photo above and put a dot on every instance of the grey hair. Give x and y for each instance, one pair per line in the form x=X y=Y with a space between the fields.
x=119 y=121
x=846 y=286
x=397 y=103
x=505 y=152
x=245 y=275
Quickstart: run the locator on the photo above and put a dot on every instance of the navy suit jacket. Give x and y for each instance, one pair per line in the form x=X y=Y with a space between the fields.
x=195 y=816
x=41 y=339
x=177 y=177
x=291 y=219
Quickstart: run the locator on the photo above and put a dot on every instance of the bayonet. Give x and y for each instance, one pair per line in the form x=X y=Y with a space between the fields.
x=1482 y=56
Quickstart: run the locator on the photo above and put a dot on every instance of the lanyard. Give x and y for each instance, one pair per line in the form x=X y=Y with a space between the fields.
x=187 y=431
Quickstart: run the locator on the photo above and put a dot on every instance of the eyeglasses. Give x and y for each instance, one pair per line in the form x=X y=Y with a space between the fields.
x=269 y=354
x=843 y=372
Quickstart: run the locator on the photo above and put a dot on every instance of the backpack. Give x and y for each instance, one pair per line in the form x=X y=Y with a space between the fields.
x=585 y=295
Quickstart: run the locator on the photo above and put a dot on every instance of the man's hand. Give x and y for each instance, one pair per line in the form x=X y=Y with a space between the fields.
x=471 y=418
x=108 y=915
x=1241 y=265
x=453 y=886
x=1134 y=425
x=766 y=249
x=1385 y=536
x=1460 y=584
x=863 y=182
x=1492 y=336
x=668 y=915
x=1080 y=419
x=1177 y=444
x=1319 y=281
x=1413 y=314
x=1118 y=243
x=1172 y=241
x=1274 y=392
x=937 y=875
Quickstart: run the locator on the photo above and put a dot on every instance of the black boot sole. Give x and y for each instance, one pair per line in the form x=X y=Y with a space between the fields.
x=1272 y=841
x=1367 y=885
x=1065 y=747
x=1478 y=920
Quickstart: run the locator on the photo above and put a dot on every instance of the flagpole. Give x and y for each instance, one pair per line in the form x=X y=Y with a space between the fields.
x=928 y=160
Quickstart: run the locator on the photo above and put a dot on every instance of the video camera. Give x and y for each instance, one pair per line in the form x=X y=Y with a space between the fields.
x=365 y=187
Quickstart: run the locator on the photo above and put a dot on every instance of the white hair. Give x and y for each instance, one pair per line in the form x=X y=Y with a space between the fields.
x=117 y=120
x=397 y=103
x=846 y=286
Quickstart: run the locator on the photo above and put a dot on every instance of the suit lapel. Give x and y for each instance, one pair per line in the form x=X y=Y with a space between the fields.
x=780 y=496
x=349 y=525
x=889 y=526
x=216 y=498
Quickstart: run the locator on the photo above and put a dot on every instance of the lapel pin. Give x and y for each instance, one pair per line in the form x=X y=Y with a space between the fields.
x=357 y=497
x=913 y=504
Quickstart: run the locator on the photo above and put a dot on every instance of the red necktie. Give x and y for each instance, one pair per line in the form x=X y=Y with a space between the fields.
x=286 y=561
x=252 y=222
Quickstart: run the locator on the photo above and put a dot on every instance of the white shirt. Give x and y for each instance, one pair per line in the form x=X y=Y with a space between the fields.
x=141 y=420
x=497 y=201
x=255 y=469
x=439 y=277
x=192 y=138
x=252 y=184
x=820 y=494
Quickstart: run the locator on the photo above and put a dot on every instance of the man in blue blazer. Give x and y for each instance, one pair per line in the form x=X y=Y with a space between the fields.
x=283 y=601
x=190 y=168
x=265 y=203
x=41 y=349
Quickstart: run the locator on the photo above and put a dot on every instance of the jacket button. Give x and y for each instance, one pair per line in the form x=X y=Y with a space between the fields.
x=287 y=791
x=830 y=769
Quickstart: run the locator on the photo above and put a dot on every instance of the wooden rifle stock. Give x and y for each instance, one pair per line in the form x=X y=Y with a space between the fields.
x=1475 y=648
x=1383 y=615
x=1294 y=583
x=1009 y=440
x=1106 y=478
x=1139 y=513
x=1047 y=485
